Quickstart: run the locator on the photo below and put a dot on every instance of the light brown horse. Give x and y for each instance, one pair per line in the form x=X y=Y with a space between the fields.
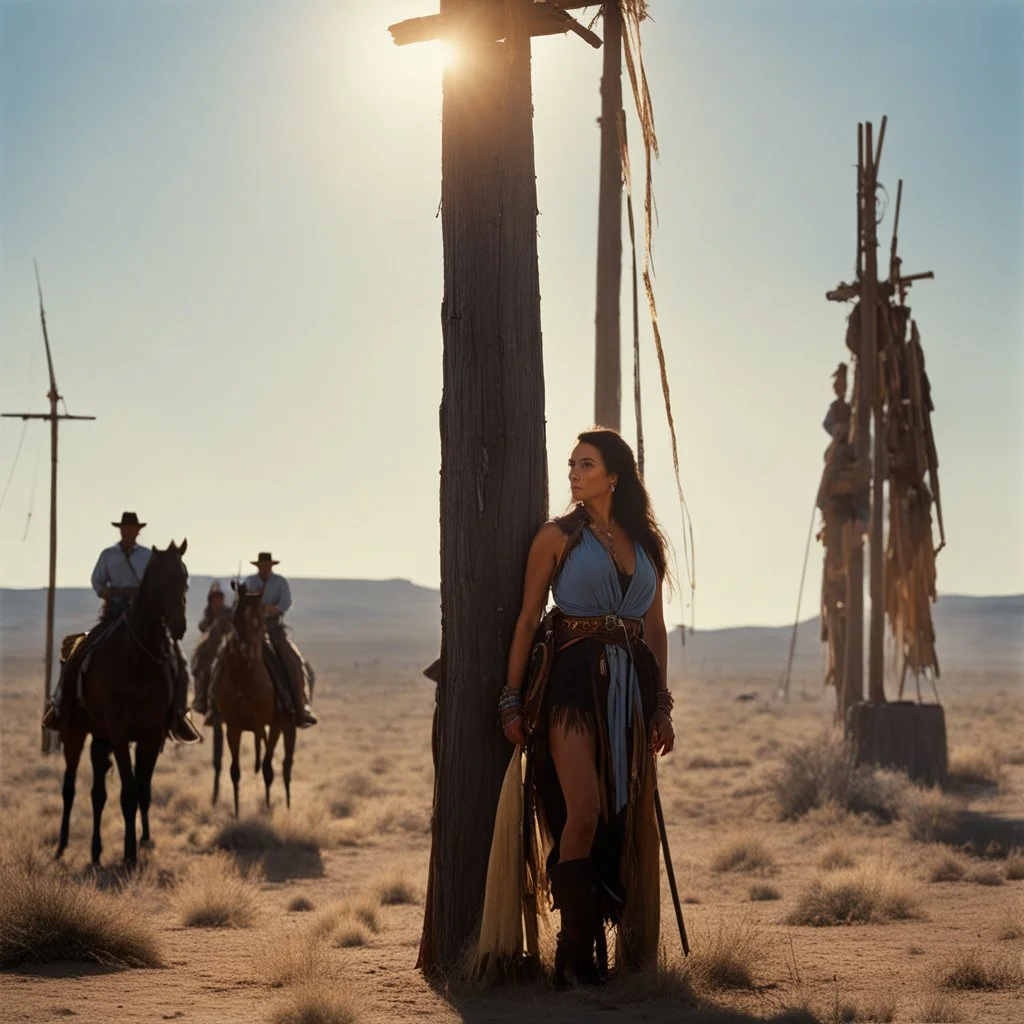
x=127 y=698
x=246 y=700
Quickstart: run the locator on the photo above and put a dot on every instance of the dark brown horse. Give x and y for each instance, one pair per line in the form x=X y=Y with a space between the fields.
x=127 y=697
x=246 y=701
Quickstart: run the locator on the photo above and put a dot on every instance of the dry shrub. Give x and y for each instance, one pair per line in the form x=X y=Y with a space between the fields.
x=347 y=918
x=344 y=807
x=763 y=893
x=46 y=916
x=987 y=875
x=286 y=847
x=1015 y=866
x=700 y=762
x=939 y=1009
x=930 y=815
x=396 y=815
x=728 y=957
x=823 y=772
x=300 y=905
x=836 y=857
x=296 y=958
x=356 y=784
x=745 y=854
x=395 y=891
x=351 y=934
x=947 y=866
x=315 y=1003
x=216 y=894
x=670 y=982
x=856 y=896
x=976 y=766
x=1012 y=927
x=970 y=972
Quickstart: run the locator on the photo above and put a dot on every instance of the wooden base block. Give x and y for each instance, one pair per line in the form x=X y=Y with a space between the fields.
x=904 y=736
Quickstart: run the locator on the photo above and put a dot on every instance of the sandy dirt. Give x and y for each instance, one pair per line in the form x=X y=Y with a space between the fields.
x=363 y=783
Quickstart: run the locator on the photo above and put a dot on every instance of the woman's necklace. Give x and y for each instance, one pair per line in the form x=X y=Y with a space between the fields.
x=606 y=536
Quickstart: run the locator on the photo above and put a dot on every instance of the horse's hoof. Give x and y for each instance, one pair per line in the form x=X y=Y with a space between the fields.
x=146 y=844
x=59 y=853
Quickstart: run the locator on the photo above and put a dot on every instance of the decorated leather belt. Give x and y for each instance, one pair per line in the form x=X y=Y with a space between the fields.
x=611 y=629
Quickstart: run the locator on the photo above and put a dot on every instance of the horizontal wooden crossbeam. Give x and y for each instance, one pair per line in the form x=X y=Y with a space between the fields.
x=485 y=22
x=845 y=292
x=42 y=416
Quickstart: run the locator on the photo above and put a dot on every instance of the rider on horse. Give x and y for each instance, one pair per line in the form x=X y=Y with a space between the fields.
x=116 y=579
x=214 y=625
x=277 y=599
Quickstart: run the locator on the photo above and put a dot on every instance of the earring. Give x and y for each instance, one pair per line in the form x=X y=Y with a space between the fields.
x=613 y=488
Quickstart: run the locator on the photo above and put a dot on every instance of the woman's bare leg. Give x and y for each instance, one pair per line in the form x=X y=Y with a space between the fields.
x=573 y=752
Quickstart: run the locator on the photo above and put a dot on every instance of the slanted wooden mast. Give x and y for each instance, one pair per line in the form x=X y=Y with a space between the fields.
x=49 y=740
x=493 y=458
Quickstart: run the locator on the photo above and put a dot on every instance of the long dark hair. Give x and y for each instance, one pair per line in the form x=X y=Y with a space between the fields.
x=631 y=505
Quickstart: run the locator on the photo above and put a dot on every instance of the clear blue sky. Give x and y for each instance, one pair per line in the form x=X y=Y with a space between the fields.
x=233 y=206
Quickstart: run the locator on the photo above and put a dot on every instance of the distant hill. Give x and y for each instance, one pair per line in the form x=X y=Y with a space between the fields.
x=342 y=621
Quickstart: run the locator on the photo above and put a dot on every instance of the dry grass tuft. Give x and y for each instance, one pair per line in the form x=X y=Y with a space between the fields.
x=396 y=891
x=300 y=905
x=836 y=857
x=763 y=893
x=286 y=847
x=947 y=866
x=315 y=1003
x=1012 y=927
x=299 y=958
x=970 y=972
x=930 y=815
x=988 y=875
x=670 y=982
x=1015 y=866
x=745 y=854
x=46 y=916
x=856 y=896
x=344 y=807
x=976 y=766
x=216 y=894
x=351 y=934
x=939 y=1009
x=823 y=772
x=728 y=957
x=702 y=763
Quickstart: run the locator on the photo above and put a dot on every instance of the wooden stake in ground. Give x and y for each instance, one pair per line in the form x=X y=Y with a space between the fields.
x=493 y=453
x=49 y=741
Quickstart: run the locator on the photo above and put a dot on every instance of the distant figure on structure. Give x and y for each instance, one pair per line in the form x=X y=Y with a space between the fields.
x=277 y=599
x=214 y=625
x=593 y=714
x=115 y=579
x=844 y=503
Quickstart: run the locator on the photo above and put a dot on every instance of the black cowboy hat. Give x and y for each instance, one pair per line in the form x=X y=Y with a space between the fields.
x=265 y=556
x=129 y=519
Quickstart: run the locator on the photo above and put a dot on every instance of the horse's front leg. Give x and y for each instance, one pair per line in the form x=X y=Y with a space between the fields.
x=129 y=800
x=268 y=760
x=218 y=758
x=145 y=761
x=73 y=742
x=99 y=754
x=234 y=742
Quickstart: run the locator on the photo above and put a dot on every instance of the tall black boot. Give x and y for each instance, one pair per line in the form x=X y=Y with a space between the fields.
x=572 y=890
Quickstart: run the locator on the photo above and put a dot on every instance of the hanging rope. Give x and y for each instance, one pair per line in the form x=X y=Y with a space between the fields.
x=14 y=465
x=634 y=12
x=32 y=496
x=799 y=601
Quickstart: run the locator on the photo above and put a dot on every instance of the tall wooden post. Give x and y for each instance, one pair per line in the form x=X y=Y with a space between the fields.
x=608 y=344
x=49 y=740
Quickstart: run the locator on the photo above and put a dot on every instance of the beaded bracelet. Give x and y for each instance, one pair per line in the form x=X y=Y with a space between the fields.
x=510 y=705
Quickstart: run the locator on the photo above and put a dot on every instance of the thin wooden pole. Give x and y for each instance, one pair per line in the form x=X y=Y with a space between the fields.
x=873 y=395
x=608 y=345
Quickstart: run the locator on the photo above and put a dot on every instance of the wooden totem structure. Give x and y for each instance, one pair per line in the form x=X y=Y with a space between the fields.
x=882 y=456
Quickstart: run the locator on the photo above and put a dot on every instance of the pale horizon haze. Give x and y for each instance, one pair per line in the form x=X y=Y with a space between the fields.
x=233 y=206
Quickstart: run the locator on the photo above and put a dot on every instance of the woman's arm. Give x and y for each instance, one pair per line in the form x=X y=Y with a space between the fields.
x=662 y=736
x=540 y=567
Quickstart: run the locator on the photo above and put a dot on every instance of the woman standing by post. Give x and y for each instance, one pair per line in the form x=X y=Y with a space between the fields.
x=592 y=710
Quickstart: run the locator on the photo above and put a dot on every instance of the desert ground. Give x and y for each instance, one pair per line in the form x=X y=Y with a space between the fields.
x=314 y=914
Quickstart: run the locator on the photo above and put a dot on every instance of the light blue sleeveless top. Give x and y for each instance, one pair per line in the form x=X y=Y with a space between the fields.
x=588 y=586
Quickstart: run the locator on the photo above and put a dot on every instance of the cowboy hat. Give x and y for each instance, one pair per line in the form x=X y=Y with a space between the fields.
x=263 y=557
x=129 y=519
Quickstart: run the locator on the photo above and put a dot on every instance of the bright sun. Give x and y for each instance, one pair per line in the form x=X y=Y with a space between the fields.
x=449 y=54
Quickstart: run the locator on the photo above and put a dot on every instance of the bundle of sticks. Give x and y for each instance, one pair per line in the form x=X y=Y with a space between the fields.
x=913 y=474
